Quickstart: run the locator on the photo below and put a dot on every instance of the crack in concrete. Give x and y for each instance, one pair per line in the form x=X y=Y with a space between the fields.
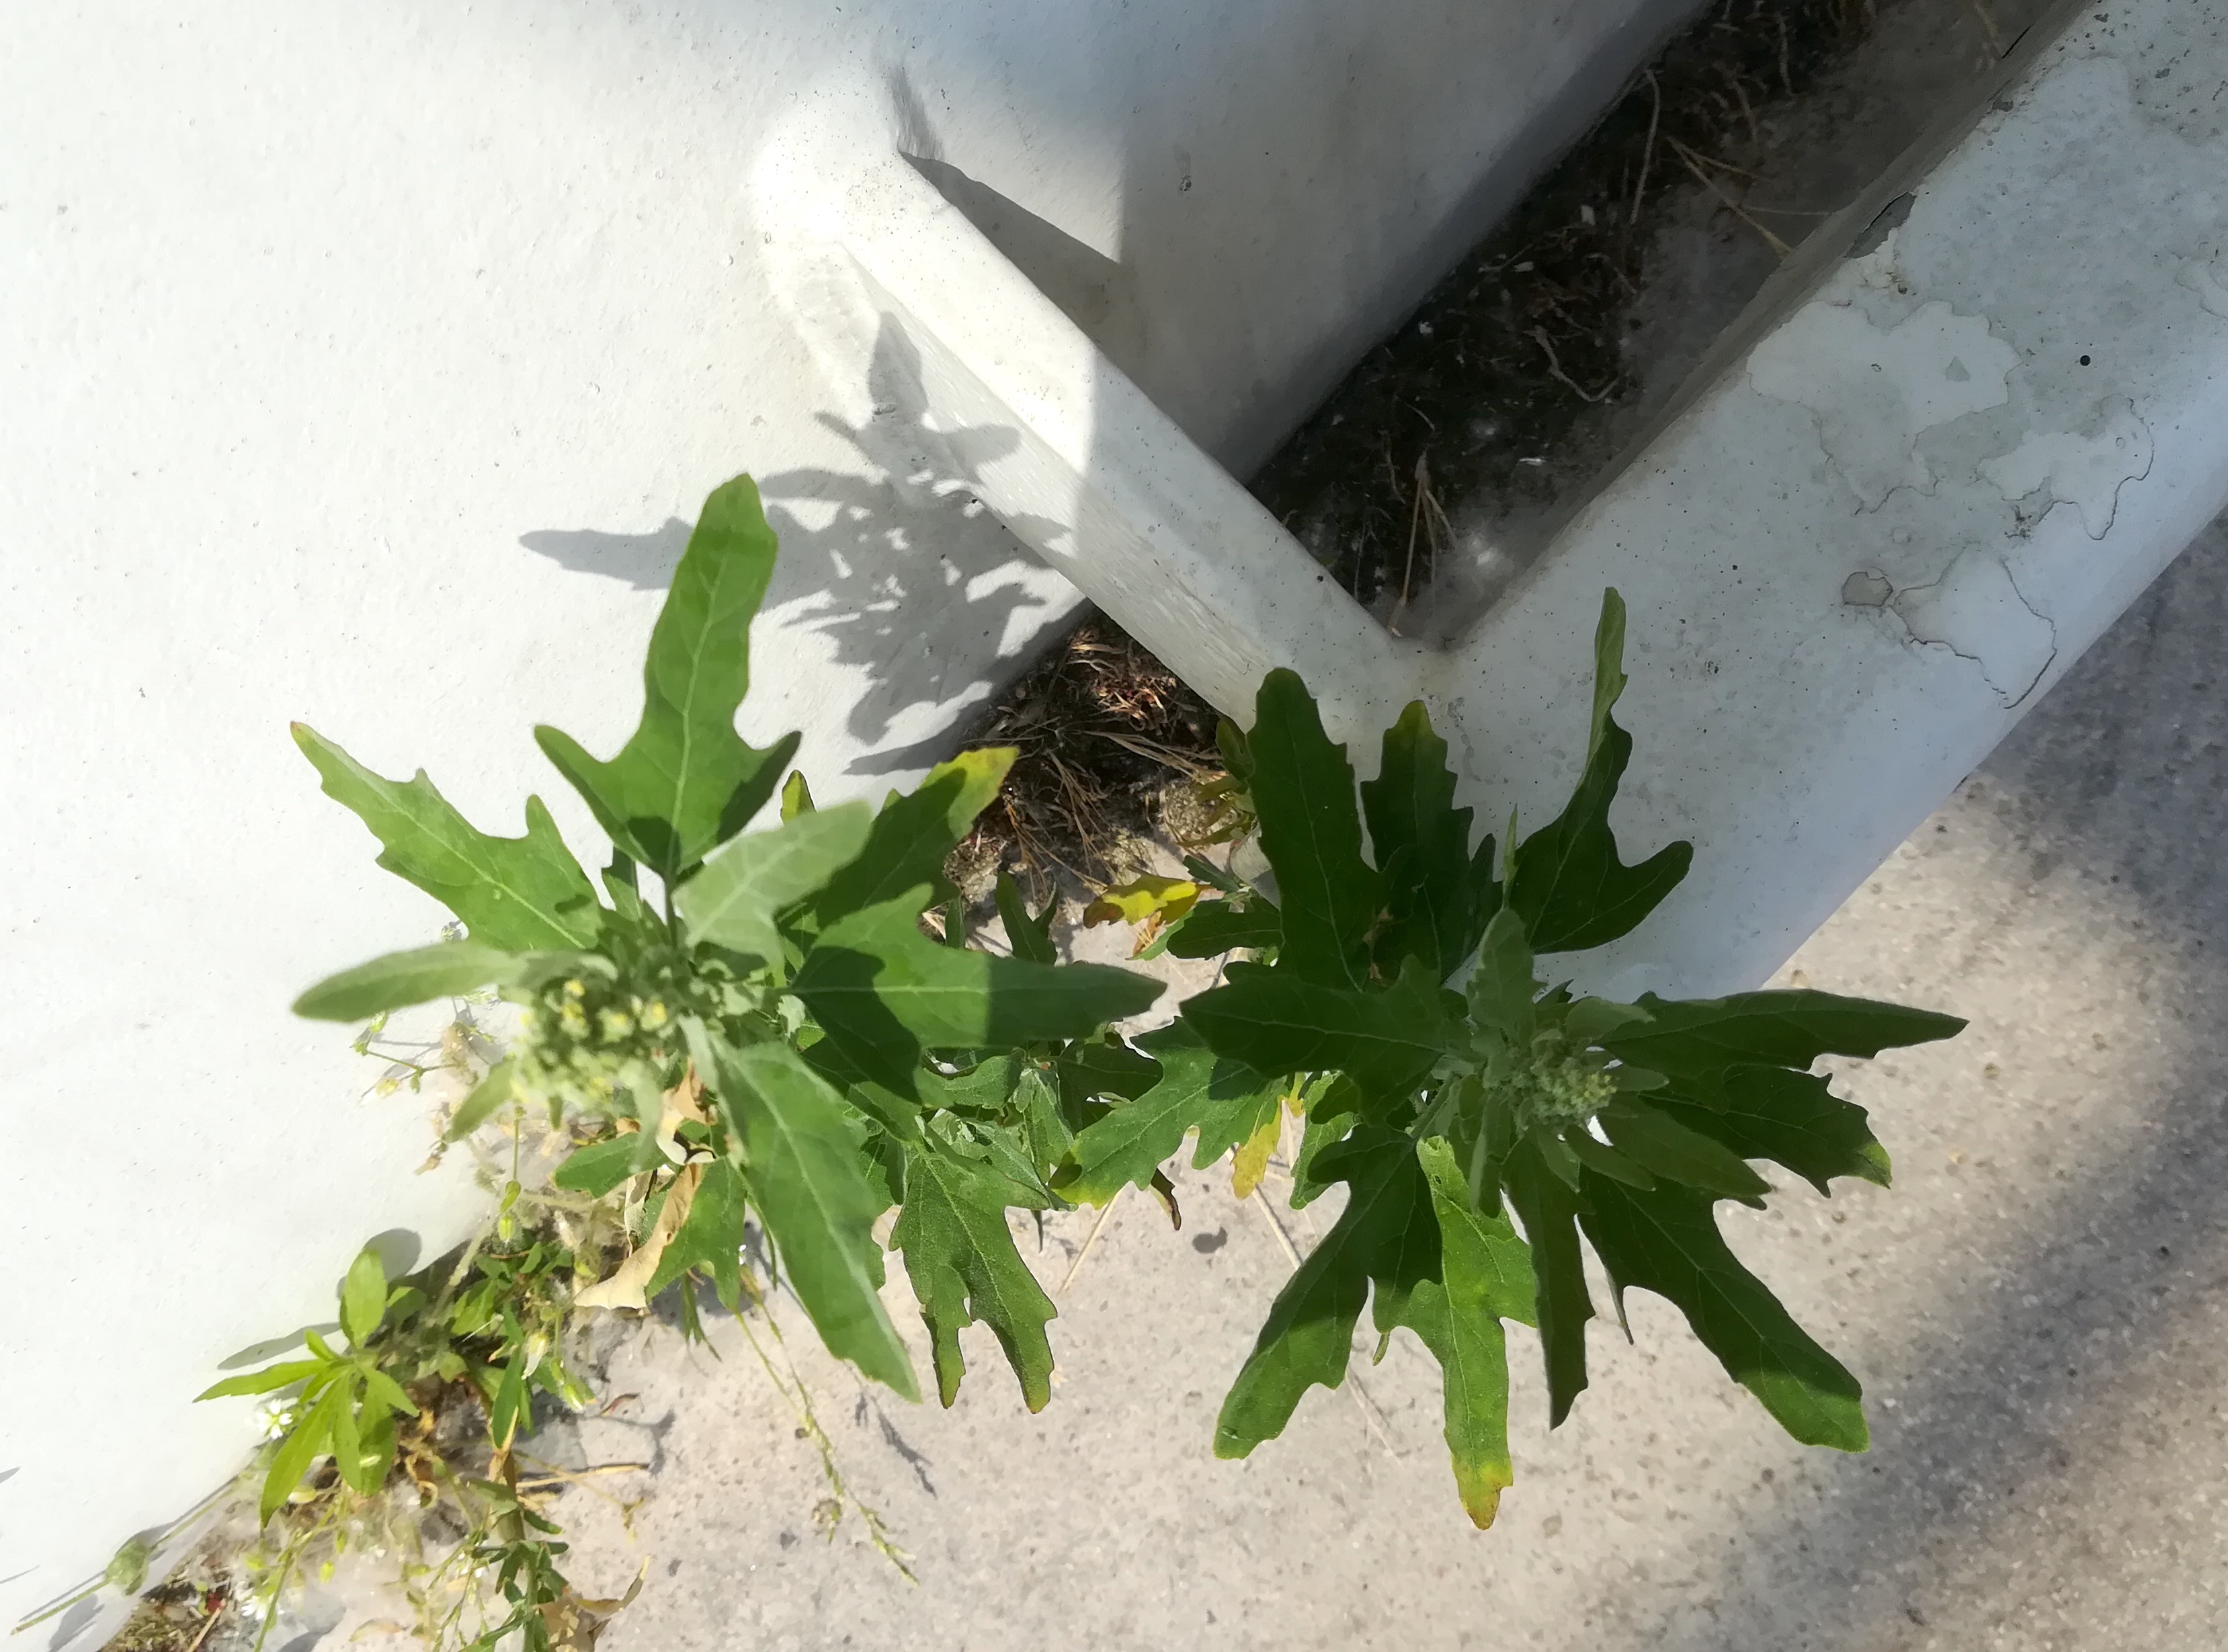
x=1977 y=612
x=2196 y=275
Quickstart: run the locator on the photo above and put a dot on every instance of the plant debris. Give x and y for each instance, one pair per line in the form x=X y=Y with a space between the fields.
x=1113 y=748
x=1513 y=384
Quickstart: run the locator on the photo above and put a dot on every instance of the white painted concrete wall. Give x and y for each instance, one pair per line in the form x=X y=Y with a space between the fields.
x=1936 y=460
x=360 y=363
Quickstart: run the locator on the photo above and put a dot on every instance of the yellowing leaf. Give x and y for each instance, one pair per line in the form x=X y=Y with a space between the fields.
x=624 y=1288
x=1252 y=1158
x=1167 y=899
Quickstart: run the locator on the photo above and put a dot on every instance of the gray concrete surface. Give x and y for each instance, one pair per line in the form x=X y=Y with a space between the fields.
x=2037 y=1311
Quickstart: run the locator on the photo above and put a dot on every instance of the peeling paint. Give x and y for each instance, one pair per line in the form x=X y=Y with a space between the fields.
x=1875 y=390
x=1867 y=588
x=2083 y=469
x=1976 y=610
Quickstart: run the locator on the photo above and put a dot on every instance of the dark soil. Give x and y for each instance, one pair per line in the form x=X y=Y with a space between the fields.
x=1103 y=731
x=1455 y=449
x=1499 y=398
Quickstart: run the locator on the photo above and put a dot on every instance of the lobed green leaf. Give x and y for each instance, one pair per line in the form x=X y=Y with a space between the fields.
x=1549 y=1210
x=1485 y=1277
x=1785 y=1028
x=886 y=993
x=1302 y=787
x=1308 y=1338
x=1028 y=939
x=686 y=781
x=1568 y=882
x=517 y=894
x=961 y=1258
x=1790 y=1118
x=1438 y=893
x=813 y=1193
x=1659 y=1143
x=1667 y=1241
x=1196 y=1090
x=1213 y=928
x=913 y=836
x=1277 y=1022
x=747 y=883
x=445 y=970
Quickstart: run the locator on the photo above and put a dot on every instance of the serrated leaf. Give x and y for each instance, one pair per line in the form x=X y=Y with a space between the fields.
x=1028 y=939
x=445 y=969
x=748 y=881
x=813 y=1193
x=1133 y=1140
x=1277 y=1022
x=363 y=1298
x=518 y=894
x=1303 y=787
x=886 y=993
x=1784 y=1028
x=1549 y=1210
x=1037 y=1134
x=1485 y=1276
x=1308 y=1337
x=1214 y=929
x=1790 y=1118
x=914 y=834
x=710 y=1237
x=983 y=1089
x=600 y=1166
x=1667 y=1241
x=961 y=1258
x=1567 y=883
x=1663 y=1145
x=1438 y=894
x=686 y=781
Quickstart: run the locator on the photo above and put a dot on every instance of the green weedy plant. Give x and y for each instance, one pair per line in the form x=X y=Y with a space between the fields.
x=769 y=1033
x=1447 y=1112
x=847 y=1062
x=492 y=1325
x=766 y=1033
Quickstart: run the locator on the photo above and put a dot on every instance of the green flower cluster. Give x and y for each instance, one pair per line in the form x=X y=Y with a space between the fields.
x=1556 y=1080
x=609 y=1040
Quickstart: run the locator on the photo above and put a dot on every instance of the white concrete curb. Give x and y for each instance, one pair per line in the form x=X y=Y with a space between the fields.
x=1935 y=463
